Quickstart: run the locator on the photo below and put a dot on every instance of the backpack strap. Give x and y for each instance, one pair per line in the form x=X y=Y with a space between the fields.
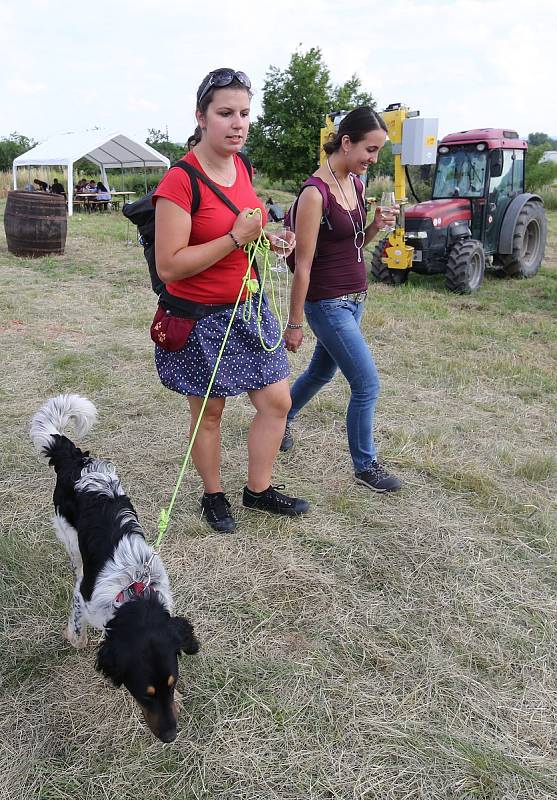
x=195 y=175
x=247 y=164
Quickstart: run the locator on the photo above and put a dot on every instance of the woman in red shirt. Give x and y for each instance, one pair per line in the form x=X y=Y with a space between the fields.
x=201 y=259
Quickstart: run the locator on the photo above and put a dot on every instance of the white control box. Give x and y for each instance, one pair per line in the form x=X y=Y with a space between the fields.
x=419 y=140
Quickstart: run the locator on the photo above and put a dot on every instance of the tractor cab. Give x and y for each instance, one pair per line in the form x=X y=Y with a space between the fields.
x=479 y=212
x=486 y=167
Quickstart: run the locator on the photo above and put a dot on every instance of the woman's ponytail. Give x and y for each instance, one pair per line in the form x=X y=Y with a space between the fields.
x=194 y=139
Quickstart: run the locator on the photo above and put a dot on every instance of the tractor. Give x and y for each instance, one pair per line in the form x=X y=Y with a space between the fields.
x=479 y=213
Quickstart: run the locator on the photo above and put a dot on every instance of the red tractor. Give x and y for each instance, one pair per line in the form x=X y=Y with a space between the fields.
x=479 y=214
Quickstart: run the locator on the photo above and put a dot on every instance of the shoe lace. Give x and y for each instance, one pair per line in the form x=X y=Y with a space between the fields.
x=219 y=505
x=378 y=470
x=274 y=495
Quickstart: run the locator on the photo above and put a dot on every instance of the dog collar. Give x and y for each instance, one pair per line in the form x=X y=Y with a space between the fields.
x=135 y=589
x=141 y=585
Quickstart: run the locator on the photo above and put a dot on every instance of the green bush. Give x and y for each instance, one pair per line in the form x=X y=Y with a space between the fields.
x=376 y=186
x=549 y=197
x=539 y=173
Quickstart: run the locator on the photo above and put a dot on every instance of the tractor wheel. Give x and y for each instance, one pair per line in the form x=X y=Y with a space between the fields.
x=381 y=273
x=530 y=234
x=465 y=266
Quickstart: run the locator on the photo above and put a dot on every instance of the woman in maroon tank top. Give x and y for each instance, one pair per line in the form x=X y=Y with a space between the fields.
x=330 y=286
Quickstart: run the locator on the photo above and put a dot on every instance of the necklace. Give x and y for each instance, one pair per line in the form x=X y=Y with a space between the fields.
x=358 y=232
x=226 y=181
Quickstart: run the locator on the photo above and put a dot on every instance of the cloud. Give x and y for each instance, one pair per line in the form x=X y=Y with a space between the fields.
x=140 y=104
x=20 y=86
x=471 y=63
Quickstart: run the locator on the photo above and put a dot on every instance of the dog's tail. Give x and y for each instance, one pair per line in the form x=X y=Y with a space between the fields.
x=56 y=414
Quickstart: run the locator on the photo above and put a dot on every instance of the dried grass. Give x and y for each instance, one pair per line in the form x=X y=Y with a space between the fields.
x=382 y=647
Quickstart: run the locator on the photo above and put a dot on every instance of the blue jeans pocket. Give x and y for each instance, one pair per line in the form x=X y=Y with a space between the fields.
x=332 y=305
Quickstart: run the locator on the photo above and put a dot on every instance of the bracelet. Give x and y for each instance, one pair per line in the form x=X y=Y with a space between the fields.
x=237 y=244
x=293 y=326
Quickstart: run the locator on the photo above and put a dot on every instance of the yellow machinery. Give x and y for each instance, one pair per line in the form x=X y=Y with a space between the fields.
x=397 y=254
x=327 y=132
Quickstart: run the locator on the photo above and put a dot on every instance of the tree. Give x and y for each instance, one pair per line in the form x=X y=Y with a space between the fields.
x=385 y=163
x=539 y=174
x=160 y=142
x=350 y=95
x=535 y=139
x=283 y=142
x=12 y=147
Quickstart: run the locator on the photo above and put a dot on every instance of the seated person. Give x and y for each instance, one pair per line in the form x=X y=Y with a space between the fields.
x=275 y=211
x=102 y=192
x=91 y=186
x=57 y=187
x=41 y=185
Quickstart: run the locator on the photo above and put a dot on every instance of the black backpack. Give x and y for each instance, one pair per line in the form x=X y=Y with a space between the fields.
x=142 y=213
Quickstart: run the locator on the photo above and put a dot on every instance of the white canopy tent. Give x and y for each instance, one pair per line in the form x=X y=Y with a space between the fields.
x=107 y=150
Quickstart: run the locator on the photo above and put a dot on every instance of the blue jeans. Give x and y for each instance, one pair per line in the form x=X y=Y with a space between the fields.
x=340 y=343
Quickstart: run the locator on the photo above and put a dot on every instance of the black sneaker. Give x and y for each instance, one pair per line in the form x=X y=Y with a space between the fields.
x=274 y=502
x=287 y=439
x=217 y=512
x=377 y=478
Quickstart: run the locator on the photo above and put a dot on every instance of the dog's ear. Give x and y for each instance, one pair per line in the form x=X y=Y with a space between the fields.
x=183 y=635
x=111 y=661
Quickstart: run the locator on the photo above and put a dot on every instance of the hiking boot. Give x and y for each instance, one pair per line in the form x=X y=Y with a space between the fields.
x=217 y=512
x=377 y=478
x=274 y=502
x=287 y=439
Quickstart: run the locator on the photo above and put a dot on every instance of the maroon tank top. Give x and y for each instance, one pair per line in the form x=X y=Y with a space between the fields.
x=335 y=269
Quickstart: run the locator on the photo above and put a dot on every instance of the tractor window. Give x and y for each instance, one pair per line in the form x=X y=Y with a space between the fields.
x=503 y=183
x=518 y=172
x=460 y=173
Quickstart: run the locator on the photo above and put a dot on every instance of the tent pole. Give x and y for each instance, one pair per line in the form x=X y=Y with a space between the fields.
x=70 y=188
x=14 y=171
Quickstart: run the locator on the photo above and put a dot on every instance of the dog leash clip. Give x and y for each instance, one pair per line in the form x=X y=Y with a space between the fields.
x=144 y=575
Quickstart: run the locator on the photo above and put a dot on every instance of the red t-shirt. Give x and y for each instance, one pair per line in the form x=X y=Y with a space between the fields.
x=221 y=282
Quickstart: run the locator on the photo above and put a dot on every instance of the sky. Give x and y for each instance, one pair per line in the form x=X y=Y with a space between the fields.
x=127 y=66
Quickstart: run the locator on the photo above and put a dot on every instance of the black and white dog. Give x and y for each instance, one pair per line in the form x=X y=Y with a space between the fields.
x=121 y=585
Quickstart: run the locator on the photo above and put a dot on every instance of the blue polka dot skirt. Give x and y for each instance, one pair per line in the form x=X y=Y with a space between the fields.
x=244 y=365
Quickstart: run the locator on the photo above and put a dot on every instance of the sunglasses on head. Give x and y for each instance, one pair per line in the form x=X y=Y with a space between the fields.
x=222 y=78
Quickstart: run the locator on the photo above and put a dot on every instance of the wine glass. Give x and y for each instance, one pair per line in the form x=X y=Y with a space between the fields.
x=282 y=246
x=388 y=202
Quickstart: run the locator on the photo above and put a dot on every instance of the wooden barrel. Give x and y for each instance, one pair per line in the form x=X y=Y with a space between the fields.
x=36 y=223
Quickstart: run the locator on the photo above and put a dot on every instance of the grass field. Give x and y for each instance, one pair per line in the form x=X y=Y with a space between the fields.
x=392 y=647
